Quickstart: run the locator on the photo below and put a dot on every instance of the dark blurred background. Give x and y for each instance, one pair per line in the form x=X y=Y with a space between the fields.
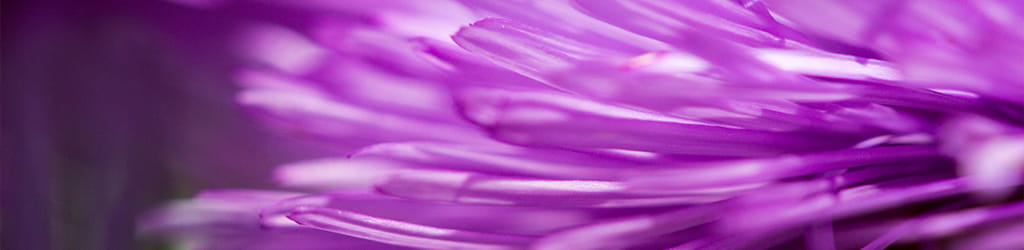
x=111 y=108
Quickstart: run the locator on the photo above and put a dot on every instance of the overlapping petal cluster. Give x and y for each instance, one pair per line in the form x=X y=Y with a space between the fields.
x=712 y=124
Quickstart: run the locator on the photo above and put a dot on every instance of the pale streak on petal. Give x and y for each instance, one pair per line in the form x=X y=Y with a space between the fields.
x=829 y=65
x=283 y=49
x=333 y=173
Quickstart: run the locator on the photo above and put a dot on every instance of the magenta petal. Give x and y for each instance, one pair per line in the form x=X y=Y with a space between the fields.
x=744 y=171
x=498 y=160
x=527 y=50
x=665 y=20
x=555 y=120
x=804 y=208
x=462 y=187
x=627 y=232
x=945 y=224
x=401 y=233
x=574 y=25
x=318 y=115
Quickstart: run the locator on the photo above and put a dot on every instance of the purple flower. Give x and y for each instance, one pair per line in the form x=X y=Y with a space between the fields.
x=631 y=124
